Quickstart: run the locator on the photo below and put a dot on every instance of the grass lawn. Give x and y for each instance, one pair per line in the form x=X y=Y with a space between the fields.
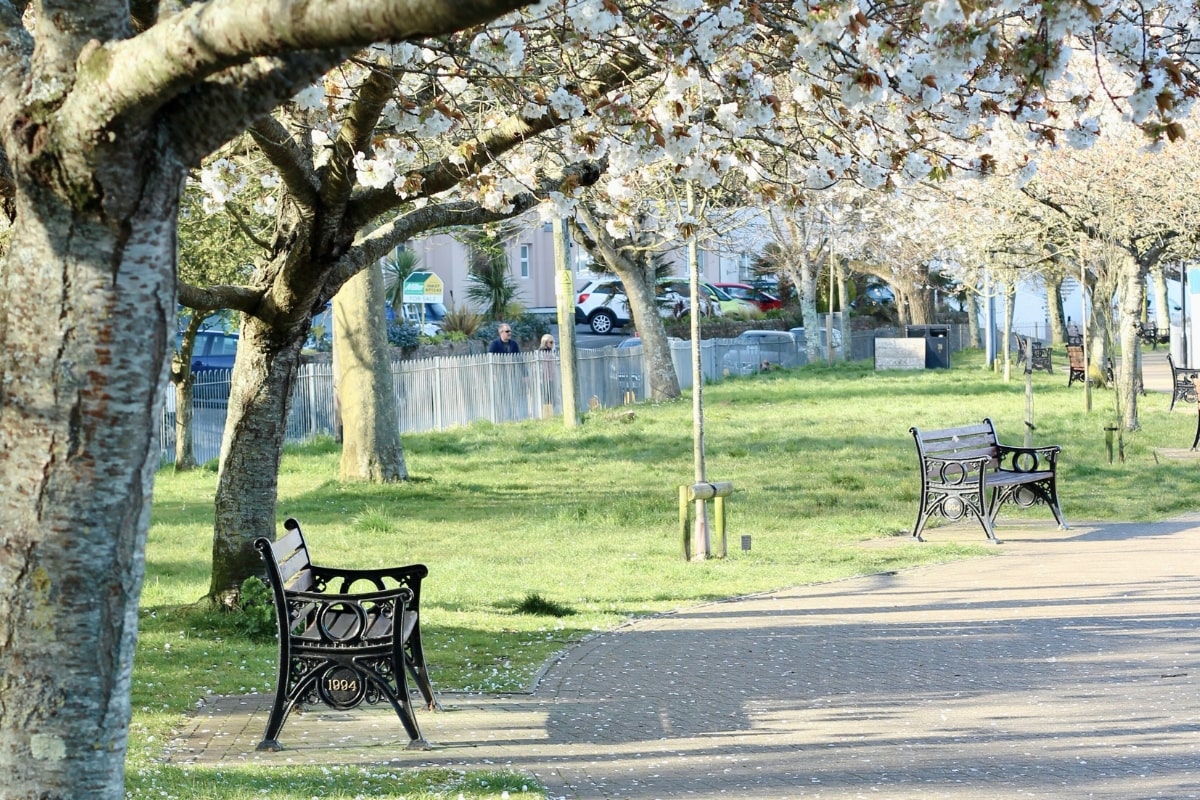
x=579 y=526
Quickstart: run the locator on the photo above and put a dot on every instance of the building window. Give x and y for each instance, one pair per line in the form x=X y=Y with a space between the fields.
x=525 y=250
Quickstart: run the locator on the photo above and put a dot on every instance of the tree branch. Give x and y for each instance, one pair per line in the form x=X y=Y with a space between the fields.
x=16 y=48
x=214 y=298
x=208 y=115
x=435 y=178
x=125 y=82
x=286 y=156
x=384 y=239
x=354 y=137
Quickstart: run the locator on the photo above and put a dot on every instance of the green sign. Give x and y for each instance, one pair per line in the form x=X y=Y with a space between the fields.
x=422 y=287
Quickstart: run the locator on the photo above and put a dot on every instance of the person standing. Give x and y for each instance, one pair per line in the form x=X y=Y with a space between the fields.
x=548 y=369
x=504 y=343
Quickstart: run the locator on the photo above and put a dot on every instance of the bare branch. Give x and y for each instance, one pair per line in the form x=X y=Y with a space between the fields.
x=286 y=156
x=214 y=298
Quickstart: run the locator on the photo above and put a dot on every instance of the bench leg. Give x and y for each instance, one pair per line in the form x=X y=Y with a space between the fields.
x=285 y=700
x=1196 y=441
x=953 y=505
x=414 y=661
x=393 y=685
x=1043 y=491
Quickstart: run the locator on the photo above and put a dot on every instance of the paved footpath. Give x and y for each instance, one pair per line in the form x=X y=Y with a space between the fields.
x=1067 y=666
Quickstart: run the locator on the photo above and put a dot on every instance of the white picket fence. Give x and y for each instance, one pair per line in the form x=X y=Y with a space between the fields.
x=440 y=393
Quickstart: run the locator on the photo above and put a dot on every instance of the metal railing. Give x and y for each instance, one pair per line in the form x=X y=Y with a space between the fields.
x=440 y=393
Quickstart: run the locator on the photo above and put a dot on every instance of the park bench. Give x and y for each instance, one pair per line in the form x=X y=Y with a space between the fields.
x=1152 y=335
x=1076 y=368
x=1182 y=387
x=346 y=636
x=965 y=471
x=1033 y=352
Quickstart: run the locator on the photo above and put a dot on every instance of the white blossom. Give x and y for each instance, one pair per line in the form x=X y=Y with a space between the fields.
x=566 y=105
x=591 y=18
x=503 y=53
x=373 y=172
x=310 y=98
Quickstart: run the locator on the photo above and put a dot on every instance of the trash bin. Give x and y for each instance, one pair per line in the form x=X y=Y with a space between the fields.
x=937 y=344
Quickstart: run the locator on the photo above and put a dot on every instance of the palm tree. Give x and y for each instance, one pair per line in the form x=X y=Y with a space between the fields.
x=396 y=268
x=490 y=283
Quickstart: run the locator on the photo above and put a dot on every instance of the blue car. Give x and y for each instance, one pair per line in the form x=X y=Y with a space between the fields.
x=214 y=350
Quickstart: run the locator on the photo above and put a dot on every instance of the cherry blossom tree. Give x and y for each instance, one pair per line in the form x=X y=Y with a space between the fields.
x=105 y=107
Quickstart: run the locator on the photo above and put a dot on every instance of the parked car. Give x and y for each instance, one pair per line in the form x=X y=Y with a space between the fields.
x=764 y=301
x=874 y=296
x=627 y=369
x=603 y=306
x=717 y=301
x=213 y=350
x=754 y=351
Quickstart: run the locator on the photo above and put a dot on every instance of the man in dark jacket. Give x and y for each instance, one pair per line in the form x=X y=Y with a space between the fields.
x=505 y=343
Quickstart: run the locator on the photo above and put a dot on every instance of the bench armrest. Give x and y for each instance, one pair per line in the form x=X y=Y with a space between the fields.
x=409 y=575
x=1028 y=459
x=402 y=593
x=950 y=471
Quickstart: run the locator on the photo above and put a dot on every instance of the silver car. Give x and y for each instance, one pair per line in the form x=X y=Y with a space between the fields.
x=755 y=351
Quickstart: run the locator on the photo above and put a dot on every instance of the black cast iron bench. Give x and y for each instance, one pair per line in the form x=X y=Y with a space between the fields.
x=1035 y=353
x=1182 y=387
x=965 y=471
x=1152 y=335
x=346 y=636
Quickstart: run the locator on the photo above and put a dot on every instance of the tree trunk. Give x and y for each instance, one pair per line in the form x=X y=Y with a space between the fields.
x=255 y=426
x=1162 y=307
x=974 y=333
x=88 y=322
x=371 y=447
x=803 y=274
x=1132 y=299
x=1054 y=310
x=844 y=304
x=662 y=382
x=1010 y=307
x=183 y=380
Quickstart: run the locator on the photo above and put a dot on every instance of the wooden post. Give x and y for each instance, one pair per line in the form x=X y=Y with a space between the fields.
x=695 y=496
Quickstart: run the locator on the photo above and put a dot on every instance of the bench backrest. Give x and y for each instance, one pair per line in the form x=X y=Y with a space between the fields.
x=1075 y=356
x=292 y=566
x=967 y=441
x=1178 y=372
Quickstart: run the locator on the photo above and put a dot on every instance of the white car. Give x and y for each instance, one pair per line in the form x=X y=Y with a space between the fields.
x=603 y=306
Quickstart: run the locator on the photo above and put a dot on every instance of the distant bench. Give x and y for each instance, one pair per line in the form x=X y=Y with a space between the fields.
x=1152 y=335
x=965 y=471
x=1033 y=351
x=346 y=636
